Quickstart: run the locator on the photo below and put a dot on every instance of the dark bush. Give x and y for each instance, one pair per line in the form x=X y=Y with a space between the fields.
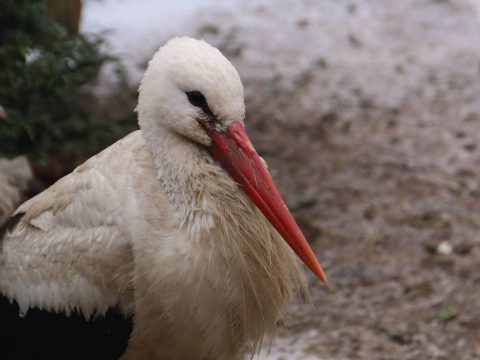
x=44 y=71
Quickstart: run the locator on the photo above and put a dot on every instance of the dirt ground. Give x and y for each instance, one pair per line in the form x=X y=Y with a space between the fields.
x=368 y=113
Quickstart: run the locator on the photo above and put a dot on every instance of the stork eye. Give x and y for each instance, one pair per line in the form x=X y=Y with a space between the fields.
x=197 y=99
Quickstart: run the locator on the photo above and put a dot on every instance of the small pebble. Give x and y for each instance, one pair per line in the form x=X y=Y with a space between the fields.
x=444 y=248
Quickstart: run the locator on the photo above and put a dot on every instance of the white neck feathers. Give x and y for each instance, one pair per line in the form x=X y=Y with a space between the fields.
x=235 y=249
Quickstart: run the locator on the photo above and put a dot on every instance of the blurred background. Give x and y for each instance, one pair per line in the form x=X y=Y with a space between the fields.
x=367 y=111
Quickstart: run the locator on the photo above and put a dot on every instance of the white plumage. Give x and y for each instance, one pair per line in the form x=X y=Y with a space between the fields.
x=155 y=226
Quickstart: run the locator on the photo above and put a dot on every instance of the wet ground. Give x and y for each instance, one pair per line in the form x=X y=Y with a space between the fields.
x=398 y=234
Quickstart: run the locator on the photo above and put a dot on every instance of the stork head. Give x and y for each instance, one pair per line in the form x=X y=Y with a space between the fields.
x=188 y=81
x=192 y=90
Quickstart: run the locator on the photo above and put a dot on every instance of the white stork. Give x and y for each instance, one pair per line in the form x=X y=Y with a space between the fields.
x=162 y=234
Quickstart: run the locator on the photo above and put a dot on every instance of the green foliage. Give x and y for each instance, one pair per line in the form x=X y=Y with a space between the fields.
x=448 y=313
x=208 y=29
x=43 y=76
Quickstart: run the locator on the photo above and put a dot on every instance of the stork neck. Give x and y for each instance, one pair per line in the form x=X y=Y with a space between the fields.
x=236 y=251
x=182 y=167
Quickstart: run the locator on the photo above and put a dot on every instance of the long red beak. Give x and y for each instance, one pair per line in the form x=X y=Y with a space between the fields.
x=234 y=151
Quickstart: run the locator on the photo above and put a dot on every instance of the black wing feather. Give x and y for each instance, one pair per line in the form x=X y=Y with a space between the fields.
x=42 y=335
x=45 y=335
x=10 y=224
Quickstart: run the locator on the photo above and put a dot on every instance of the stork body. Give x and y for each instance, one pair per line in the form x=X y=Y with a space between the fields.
x=154 y=229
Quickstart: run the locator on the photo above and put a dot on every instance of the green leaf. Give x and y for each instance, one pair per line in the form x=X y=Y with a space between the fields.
x=448 y=313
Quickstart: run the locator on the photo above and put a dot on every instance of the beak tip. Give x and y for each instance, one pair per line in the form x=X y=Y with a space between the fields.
x=321 y=275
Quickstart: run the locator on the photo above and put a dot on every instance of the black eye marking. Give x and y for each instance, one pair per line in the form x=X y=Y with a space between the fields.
x=197 y=99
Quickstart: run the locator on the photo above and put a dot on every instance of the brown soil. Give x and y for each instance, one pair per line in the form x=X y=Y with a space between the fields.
x=376 y=215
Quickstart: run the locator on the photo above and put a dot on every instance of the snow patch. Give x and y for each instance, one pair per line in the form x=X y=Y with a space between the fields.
x=134 y=29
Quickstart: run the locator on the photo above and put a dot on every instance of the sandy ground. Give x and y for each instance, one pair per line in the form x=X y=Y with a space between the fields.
x=368 y=113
